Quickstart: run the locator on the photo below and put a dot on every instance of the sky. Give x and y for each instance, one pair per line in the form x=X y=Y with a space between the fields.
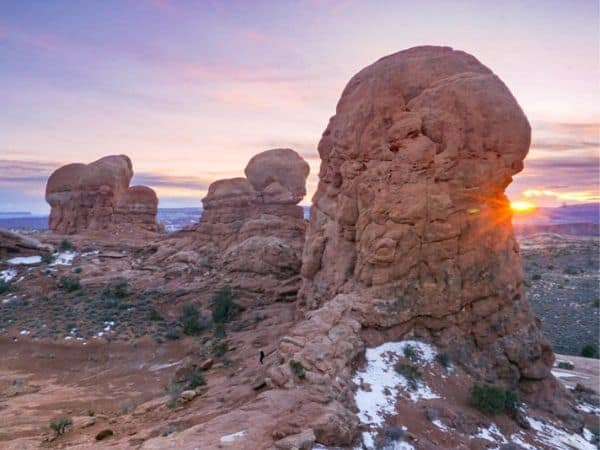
x=190 y=90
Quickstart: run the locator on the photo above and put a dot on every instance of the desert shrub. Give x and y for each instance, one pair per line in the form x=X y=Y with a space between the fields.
x=77 y=270
x=70 y=326
x=393 y=433
x=154 y=315
x=219 y=330
x=570 y=270
x=220 y=348
x=443 y=359
x=47 y=258
x=410 y=372
x=5 y=286
x=191 y=379
x=169 y=429
x=596 y=303
x=126 y=406
x=536 y=277
x=589 y=351
x=69 y=283
x=91 y=413
x=66 y=246
x=59 y=426
x=223 y=306
x=411 y=352
x=172 y=334
x=566 y=365
x=191 y=321
x=494 y=400
x=297 y=369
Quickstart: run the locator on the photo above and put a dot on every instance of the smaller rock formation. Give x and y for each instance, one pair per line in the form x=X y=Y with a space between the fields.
x=137 y=206
x=15 y=244
x=97 y=196
x=253 y=226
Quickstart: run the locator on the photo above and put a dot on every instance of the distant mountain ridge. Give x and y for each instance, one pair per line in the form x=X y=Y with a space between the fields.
x=583 y=219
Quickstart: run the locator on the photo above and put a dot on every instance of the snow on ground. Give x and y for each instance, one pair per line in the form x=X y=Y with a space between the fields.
x=378 y=399
x=557 y=438
x=26 y=260
x=63 y=258
x=233 y=437
x=492 y=434
x=7 y=275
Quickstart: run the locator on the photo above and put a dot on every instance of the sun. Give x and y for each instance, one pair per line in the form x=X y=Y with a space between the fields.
x=522 y=207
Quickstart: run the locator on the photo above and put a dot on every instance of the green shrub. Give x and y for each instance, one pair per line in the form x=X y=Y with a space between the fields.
x=566 y=365
x=219 y=330
x=154 y=315
x=410 y=372
x=66 y=246
x=191 y=321
x=69 y=283
x=77 y=270
x=223 y=306
x=570 y=270
x=191 y=379
x=60 y=425
x=536 y=277
x=5 y=286
x=297 y=369
x=411 y=352
x=47 y=258
x=590 y=351
x=172 y=334
x=494 y=400
x=443 y=359
x=220 y=348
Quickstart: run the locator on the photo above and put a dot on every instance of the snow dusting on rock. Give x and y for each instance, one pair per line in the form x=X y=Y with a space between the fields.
x=379 y=384
x=25 y=260
x=233 y=437
x=558 y=439
x=63 y=259
x=7 y=275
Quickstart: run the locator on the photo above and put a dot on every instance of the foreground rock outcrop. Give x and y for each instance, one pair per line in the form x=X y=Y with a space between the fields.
x=97 y=196
x=254 y=228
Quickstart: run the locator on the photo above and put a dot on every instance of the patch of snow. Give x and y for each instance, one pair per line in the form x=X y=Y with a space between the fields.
x=7 y=275
x=516 y=439
x=26 y=260
x=492 y=434
x=559 y=374
x=68 y=338
x=557 y=438
x=587 y=408
x=63 y=259
x=92 y=253
x=379 y=398
x=438 y=423
x=24 y=332
x=232 y=437
x=157 y=367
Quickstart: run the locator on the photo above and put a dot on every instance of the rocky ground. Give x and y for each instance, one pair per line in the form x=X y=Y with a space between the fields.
x=561 y=274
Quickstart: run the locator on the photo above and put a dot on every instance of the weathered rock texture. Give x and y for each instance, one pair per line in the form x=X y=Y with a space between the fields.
x=254 y=226
x=410 y=231
x=96 y=196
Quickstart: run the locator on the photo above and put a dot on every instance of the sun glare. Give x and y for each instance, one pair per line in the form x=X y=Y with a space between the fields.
x=522 y=206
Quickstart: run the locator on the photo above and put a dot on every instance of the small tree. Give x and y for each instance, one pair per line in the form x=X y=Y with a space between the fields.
x=494 y=400
x=223 y=306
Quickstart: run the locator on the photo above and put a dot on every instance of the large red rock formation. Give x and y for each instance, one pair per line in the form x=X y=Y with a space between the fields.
x=254 y=226
x=410 y=232
x=97 y=195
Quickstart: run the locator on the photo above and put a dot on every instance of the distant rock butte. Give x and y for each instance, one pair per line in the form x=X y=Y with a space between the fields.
x=410 y=232
x=97 y=196
x=254 y=226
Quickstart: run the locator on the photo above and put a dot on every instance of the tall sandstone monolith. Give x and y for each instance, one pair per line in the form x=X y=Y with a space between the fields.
x=410 y=231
